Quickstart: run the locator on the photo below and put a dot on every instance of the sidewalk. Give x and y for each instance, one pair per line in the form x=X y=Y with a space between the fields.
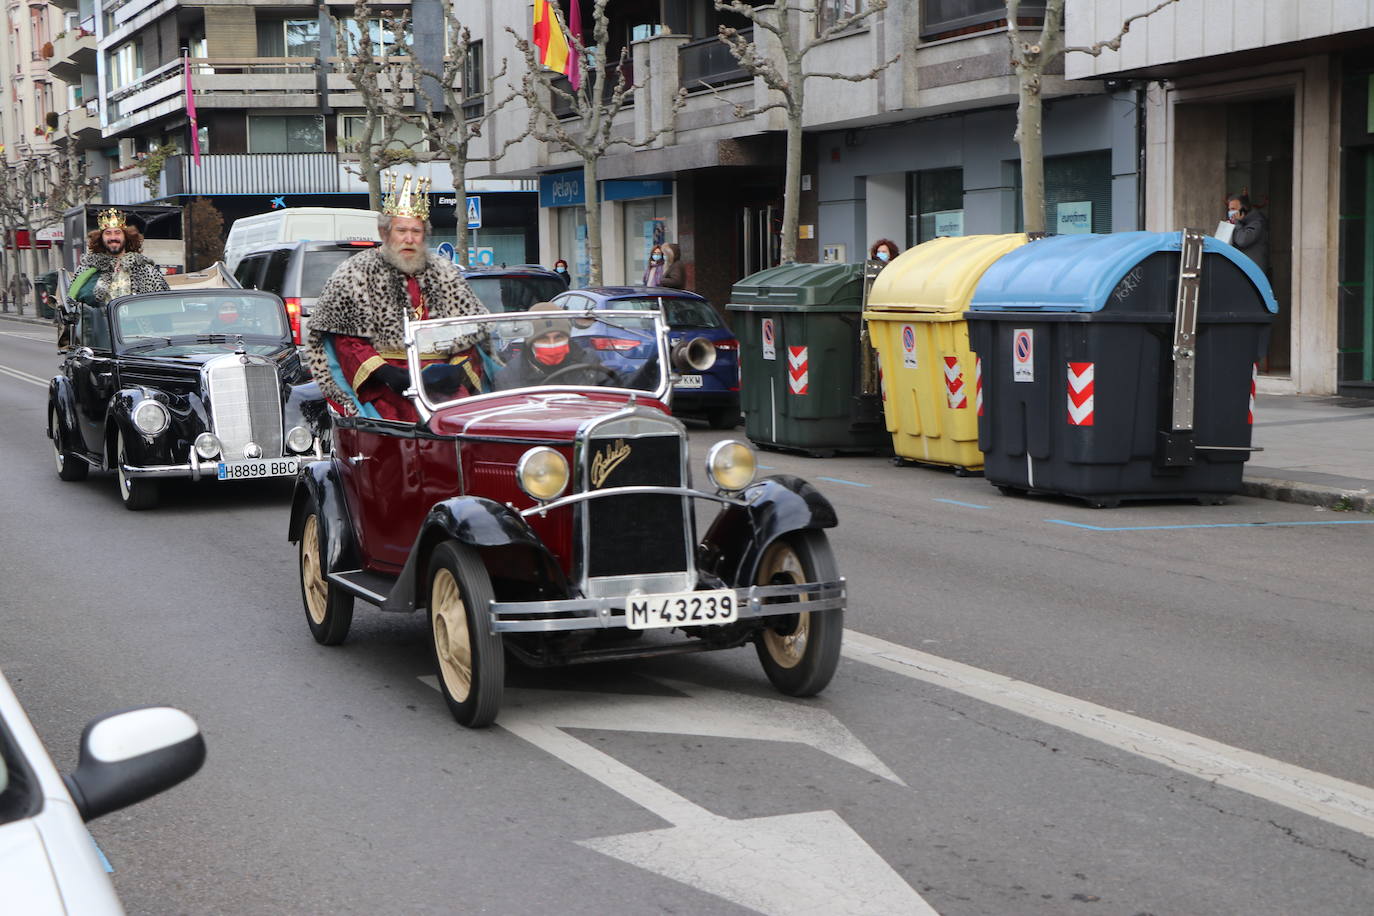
x=1317 y=451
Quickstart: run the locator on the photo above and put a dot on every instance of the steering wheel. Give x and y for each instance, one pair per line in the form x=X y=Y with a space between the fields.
x=610 y=373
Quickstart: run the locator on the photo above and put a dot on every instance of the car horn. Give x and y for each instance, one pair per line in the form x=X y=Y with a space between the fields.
x=695 y=355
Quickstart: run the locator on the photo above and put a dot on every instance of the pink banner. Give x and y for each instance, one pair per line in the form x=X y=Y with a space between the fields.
x=575 y=59
x=191 y=110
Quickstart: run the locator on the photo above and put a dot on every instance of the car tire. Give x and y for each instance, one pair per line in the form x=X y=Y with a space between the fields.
x=723 y=418
x=800 y=653
x=328 y=608
x=468 y=657
x=69 y=466
x=136 y=494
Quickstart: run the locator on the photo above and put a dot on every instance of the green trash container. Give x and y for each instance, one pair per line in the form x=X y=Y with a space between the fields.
x=800 y=365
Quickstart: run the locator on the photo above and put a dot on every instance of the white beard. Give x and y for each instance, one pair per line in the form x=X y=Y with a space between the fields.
x=410 y=264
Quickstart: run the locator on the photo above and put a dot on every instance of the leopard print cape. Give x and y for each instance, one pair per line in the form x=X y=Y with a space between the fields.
x=124 y=274
x=366 y=297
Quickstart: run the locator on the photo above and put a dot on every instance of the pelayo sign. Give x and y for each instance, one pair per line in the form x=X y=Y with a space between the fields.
x=561 y=189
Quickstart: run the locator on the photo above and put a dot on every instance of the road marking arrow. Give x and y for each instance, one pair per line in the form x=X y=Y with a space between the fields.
x=789 y=865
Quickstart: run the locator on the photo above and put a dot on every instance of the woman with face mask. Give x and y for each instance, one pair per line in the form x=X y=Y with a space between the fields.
x=674 y=271
x=653 y=274
x=560 y=267
x=883 y=251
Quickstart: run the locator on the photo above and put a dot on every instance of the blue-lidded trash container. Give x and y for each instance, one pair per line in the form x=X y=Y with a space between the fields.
x=1106 y=375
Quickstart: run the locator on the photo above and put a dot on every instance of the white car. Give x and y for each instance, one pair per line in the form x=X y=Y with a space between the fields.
x=48 y=861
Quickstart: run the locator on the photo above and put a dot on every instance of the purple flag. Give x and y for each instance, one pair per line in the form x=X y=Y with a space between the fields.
x=574 y=58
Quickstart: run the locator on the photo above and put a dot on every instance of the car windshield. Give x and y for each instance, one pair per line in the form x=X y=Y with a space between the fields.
x=514 y=294
x=318 y=266
x=480 y=355
x=174 y=320
x=681 y=312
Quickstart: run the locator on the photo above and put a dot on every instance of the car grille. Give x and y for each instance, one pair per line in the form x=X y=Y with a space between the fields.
x=245 y=405
x=636 y=534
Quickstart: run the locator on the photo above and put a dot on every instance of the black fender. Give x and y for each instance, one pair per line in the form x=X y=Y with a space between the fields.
x=140 y=451
x=305 y=406
x=739 y=535
x=487 y=526
x=338 y=546
x=62 y=398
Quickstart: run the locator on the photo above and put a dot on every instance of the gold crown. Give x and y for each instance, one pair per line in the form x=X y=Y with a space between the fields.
x=409 y=202
x=111 y=219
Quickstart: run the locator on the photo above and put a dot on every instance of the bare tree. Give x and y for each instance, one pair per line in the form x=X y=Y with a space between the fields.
x=24 y=195
x=588 y=126
x=71 y=183
x=787 y=25
x=1030 y=59
x=468 y=103
x=380 y=81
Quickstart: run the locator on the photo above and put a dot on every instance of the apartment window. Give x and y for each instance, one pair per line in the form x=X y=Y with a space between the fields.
x=474 y=82
x=126 y=64
x=285 y=134
x=38 y=26
x=384 y=39
x=935 y=202
x=829 y=12
x=407 y=136
x=948 y=18
x=289 y=38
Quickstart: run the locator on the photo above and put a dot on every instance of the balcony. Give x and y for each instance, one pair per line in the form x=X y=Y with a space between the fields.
x=256 y=82
x=562 y=108
x=233 y=173
x=707 y=62
x=73 y=55
x=83 y=123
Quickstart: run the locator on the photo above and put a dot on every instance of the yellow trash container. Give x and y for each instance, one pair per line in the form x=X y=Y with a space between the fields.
x=915 y=315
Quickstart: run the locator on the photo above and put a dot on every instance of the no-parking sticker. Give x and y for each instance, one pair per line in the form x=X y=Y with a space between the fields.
x=909 y=346
x=769 y=350
x=1022 y=355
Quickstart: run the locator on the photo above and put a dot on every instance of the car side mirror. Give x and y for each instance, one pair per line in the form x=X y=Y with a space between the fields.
x=69 y=311
x=127 y=757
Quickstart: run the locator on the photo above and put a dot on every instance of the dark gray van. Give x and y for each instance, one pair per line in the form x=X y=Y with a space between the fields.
x=296 y=271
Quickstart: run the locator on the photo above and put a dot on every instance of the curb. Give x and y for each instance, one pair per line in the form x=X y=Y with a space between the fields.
x=1309 y=494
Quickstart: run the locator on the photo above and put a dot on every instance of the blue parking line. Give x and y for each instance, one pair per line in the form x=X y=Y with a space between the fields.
x=838 y=480
x=765 y=467
x=955 y=502
x=1353 y=521
x=109 y=869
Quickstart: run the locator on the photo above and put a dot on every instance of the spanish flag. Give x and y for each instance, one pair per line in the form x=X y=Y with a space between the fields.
x=549 y=39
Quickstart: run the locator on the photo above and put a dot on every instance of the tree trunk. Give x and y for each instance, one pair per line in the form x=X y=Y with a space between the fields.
x=791 y=188
x=593 y=200
x=458 y=167
x=1030 y=137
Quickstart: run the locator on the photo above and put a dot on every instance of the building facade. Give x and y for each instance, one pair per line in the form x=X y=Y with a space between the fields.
x=1269 y=98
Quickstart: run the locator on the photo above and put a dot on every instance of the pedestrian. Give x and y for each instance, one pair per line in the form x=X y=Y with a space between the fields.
x=883 y=250
x=560 y=267
x=674 y=271
x=357 y=338
x=1251 y=232
x=114 y=264
x=653 y=273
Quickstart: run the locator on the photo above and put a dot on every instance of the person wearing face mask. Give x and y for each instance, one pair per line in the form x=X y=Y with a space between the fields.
x=1251 y=232
x=653 y=274
x=551 y=358
x=674 y=272
x=883 y=251
x=560 y=267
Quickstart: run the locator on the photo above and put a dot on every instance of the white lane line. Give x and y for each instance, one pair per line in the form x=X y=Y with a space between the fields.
x=39 y=338
x=1345 y=804
x=24 y=376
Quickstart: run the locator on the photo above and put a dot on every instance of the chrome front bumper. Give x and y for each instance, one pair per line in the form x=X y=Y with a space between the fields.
x=605 y=613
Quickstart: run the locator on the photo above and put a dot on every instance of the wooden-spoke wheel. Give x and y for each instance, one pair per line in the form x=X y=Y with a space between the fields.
x=800 y=652
x=328 y=608
x=468 y=655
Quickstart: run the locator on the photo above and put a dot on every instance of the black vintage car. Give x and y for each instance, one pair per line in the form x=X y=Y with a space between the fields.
x=196 y=383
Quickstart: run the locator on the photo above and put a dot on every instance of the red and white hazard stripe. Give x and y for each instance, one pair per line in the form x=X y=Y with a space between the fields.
x=798 y=381
x=1254 y=377
x=1080 y=394
x=954 y=384
x=978 y=383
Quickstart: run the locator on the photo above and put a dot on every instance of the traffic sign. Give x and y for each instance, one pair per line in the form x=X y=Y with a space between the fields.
x=446 y=250
x=474 y=213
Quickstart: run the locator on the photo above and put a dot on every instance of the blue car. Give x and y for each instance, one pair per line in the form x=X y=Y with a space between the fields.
x=712 y=395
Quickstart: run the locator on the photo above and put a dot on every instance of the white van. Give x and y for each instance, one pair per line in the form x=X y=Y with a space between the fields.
x=297 y=224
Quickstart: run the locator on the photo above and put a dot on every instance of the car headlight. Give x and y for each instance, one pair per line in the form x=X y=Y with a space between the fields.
x=542 y=473
x=150 y=417
x=299 y=439
x=731 y=465
x=208 y=445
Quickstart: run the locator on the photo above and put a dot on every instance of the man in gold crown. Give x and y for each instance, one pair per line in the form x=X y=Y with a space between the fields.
x=357 y=345
x=114 y=264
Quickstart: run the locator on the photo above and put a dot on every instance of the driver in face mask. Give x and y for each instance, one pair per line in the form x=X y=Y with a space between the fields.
x=549 y=357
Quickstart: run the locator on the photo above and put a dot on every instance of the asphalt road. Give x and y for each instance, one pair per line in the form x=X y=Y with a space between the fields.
x=1043 y=708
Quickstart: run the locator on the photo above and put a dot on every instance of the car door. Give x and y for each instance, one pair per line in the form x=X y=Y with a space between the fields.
x=380 y=467
x=249 y=271
x=91 y=368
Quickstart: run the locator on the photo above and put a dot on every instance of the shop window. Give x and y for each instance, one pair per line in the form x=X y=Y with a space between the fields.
x=285 y=134
x=572 y=243
x=935 y=204
x=1078 y=193
x=646 y=225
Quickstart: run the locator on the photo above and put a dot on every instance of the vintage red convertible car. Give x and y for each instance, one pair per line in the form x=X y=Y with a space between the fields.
x=557 y=523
